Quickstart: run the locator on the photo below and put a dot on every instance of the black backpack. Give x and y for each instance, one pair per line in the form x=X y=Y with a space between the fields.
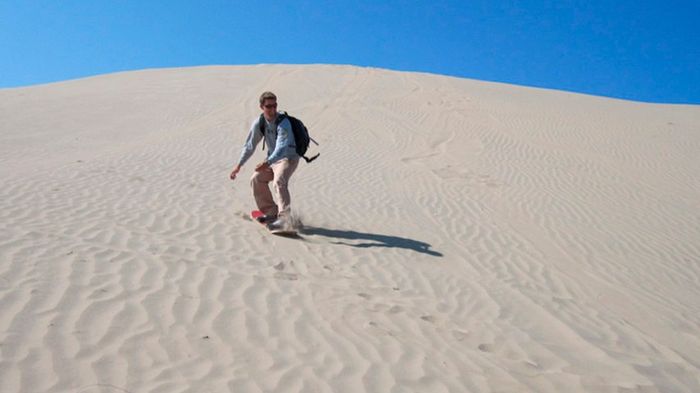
x=301 y=134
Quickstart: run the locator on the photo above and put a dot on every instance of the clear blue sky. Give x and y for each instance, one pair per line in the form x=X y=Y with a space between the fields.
x=638 y=50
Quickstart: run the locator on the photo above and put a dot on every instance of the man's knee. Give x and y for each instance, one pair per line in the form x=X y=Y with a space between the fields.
x=281 y=184
x=258 y=177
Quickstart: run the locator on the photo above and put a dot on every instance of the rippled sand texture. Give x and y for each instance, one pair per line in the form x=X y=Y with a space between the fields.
x=459 y=236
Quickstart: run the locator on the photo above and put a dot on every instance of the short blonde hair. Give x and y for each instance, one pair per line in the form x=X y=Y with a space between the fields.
x=268 y=95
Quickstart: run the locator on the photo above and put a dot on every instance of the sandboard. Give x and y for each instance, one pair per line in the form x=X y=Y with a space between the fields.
x=255 y=214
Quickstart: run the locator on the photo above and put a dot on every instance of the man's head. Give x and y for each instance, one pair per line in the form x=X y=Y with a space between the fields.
x=268 y=104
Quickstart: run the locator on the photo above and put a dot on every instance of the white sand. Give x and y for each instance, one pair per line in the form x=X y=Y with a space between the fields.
x=461 y=237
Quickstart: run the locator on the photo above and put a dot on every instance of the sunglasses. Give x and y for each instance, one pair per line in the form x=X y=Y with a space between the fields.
x=269 y=106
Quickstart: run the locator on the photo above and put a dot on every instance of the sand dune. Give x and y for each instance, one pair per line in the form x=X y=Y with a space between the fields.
x=459 y=236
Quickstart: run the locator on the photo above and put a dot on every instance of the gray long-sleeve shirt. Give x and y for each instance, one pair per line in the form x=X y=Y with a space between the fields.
x=279 y=140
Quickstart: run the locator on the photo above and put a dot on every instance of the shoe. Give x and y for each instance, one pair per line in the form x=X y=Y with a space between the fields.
x=278 y=224
x=266 y=219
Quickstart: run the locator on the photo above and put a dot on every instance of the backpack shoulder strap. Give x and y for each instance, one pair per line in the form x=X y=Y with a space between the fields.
x=261 y=125
x=261 y=128
x=280 y=117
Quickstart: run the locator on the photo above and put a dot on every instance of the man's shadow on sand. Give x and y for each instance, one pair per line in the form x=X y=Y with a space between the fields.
x=373 y=240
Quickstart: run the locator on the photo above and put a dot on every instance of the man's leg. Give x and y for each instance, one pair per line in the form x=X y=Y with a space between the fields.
x=283 y=171
x=261 y=191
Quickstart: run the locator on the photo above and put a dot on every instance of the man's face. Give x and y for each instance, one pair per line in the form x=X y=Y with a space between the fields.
x=269 y=108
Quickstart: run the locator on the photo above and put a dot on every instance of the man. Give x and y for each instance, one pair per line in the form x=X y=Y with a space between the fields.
x=281 y=162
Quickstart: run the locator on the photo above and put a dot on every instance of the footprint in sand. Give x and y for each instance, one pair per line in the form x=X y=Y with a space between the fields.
x=429 y=318
x=395 y=310
x=281 y=275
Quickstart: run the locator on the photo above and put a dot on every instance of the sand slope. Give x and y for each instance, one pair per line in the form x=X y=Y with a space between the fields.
x=460 y=236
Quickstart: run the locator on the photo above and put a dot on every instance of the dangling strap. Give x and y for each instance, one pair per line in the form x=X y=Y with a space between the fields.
x=312 y=158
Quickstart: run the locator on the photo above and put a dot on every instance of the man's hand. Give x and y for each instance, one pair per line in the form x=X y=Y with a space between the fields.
x=235 y=172
x=262 y=166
